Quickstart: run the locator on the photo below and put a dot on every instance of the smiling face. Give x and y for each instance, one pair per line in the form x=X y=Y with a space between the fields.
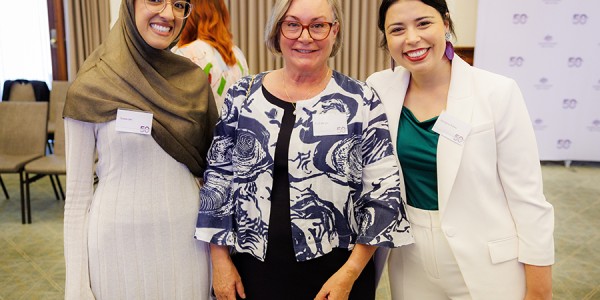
x=415 y=34
x=159 y=30
x=305 y=54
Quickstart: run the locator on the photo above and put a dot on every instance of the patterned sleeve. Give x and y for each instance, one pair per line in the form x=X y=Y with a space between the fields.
x=216 y=214
x=379 y=211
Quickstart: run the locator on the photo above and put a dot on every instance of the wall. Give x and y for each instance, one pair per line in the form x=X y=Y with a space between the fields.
x=114 y=11
x=464 y=14
x=550 y=48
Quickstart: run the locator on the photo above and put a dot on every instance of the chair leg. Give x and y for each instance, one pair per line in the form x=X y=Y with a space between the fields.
x=62 y=192
x=54 y=187
x=4 y=188
x=21 y=183
x=28 y=198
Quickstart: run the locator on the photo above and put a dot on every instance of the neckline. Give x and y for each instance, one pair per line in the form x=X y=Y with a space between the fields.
x=276 y=100
x=412 y=116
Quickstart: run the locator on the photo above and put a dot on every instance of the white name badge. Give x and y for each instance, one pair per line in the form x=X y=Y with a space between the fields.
x=134 y=121
x=333 y=123
x=452 y=128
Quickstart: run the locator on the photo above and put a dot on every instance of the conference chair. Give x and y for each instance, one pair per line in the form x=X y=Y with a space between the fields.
x=22 y=138
x=58 y=95
x=51 y=165
x=25 y=90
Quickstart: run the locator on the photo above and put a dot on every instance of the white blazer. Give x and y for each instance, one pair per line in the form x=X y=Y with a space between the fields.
x=491 y=202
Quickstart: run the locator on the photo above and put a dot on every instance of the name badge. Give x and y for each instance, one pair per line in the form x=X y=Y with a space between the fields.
x=452 y=128
x=333 y=123
x=134 y=121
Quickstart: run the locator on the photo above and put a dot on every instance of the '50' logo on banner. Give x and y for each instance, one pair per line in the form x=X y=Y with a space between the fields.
x=563 y=144
x=569 y=103
x=520 y=18
x=580 y=19
x=516 y=61
x=575 y=62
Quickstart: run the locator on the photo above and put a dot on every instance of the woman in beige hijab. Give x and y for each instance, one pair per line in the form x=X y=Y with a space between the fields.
x=144 y=112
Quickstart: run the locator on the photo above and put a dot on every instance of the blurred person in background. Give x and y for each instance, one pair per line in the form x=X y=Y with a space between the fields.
x=206 y=39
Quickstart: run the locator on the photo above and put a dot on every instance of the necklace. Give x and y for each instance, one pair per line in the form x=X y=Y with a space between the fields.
x=305 y=96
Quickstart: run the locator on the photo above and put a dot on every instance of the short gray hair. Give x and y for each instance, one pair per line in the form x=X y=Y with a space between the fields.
x=278 y=12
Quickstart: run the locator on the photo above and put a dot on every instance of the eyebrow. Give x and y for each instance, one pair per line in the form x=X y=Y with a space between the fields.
x=416 y=20
x=298 y=19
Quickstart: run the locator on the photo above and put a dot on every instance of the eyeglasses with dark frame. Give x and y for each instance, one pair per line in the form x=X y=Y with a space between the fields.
x=181 y=9
x=317 y=31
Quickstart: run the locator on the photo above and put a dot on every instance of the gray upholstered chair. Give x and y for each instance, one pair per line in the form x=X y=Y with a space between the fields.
x=58 y=95
x=25 y=90
x=52 y=165
x=22 y=92
x=22 y=138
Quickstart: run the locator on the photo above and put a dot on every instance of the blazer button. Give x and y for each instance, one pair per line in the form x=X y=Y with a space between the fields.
x=450 y=232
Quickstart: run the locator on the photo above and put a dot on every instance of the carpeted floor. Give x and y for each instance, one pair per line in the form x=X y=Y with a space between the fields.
x=32 y=263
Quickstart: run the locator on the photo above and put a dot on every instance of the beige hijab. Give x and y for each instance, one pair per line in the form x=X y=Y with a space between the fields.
x=125 y=72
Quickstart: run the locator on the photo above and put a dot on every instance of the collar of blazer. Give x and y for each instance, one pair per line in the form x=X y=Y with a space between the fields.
x=460 y=105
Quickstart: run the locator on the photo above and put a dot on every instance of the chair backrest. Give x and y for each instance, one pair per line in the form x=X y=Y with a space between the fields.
x=25 y=90
x=21 y=92
x=58 y=95
x=59 y=131
x=23 y=127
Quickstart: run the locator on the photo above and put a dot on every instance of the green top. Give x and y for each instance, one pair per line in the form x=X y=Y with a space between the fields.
x=417 y=150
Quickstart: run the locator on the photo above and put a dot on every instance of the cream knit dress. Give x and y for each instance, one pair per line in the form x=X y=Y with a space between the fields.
x=131 y=238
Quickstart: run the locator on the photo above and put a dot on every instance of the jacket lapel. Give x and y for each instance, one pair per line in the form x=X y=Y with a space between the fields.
x=393 y=100
x=449 y=154
x=391 y=90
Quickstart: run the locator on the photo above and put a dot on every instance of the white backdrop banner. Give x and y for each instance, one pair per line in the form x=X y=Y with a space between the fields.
x=552 y=49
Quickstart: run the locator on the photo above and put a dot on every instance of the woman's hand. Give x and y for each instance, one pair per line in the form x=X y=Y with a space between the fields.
x=226 y=279
x=339 y=285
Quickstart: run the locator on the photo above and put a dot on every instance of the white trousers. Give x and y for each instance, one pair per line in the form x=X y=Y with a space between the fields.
x=427 y=269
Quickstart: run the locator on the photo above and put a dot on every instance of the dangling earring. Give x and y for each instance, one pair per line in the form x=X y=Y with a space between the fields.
x=449 y=47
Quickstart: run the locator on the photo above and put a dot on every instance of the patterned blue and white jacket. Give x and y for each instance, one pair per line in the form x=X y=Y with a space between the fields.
x=344 y=188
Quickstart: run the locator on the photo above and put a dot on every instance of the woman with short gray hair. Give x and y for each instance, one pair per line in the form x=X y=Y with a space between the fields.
x=301 y=185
